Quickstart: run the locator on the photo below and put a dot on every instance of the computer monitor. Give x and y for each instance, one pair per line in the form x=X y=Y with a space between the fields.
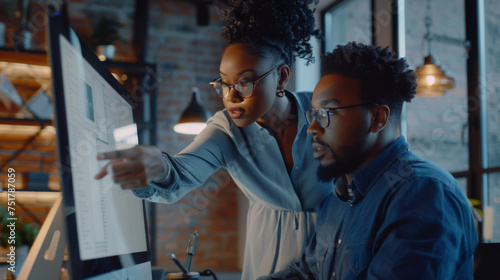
x=106 y=226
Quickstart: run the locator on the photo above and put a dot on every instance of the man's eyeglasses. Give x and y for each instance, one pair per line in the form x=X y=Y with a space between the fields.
x=322 y=115
x=245 y=89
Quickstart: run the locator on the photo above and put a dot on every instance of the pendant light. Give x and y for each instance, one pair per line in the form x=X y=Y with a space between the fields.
x=432 y=81
x=194 y=118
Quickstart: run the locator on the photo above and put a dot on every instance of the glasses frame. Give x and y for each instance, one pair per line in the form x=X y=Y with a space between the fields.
x=314 y=112
x=233 y=86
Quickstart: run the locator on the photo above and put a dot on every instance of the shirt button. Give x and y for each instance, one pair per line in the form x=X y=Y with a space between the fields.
x=297 y=167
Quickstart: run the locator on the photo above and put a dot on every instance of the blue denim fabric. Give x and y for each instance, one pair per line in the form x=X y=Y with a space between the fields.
x=407 y=218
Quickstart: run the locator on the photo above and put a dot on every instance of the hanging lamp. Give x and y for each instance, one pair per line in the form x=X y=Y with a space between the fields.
x=432 y=81
x=194 y=118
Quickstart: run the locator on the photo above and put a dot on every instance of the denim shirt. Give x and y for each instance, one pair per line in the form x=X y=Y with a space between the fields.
x=404 y=218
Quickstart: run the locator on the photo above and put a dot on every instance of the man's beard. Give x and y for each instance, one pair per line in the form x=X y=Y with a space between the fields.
x=338 y=167
x=325 y=173
x=328 y=172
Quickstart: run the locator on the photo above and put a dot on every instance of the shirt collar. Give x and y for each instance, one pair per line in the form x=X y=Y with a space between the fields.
x=367 y=176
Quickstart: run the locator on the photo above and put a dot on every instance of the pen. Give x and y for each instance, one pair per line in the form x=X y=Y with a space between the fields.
x=191 y=248
x=176 y=261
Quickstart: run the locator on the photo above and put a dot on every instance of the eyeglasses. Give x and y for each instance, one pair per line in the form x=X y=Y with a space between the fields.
x=245 y=89
x=322 y=115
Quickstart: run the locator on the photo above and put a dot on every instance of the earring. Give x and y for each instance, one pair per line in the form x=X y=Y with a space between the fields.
x=280 y=93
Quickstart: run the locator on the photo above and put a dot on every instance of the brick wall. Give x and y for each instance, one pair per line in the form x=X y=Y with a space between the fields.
x=35 y=23
x=212 y=212
x=86 y=14
x=188 y=55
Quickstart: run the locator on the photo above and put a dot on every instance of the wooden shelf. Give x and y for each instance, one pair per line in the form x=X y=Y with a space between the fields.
x=25 y=57
x=27 y=151
x=25 y=121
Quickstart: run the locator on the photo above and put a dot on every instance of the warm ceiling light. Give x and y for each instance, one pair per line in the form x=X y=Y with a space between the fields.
x=431 y=79
x=190 y=128
x=194 y=119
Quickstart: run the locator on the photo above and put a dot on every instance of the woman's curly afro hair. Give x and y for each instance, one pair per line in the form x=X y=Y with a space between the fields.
x=385 y=78
x=280 y=28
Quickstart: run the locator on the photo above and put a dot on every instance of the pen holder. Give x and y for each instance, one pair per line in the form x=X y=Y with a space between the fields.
x=183 y=276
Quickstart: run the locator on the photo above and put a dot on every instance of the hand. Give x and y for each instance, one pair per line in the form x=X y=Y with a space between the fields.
x=135 y=167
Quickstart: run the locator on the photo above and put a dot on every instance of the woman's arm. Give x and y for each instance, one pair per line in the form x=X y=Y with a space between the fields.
x=158 y=176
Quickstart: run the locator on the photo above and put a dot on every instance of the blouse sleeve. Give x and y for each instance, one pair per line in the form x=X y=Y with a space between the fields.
x=192 y=166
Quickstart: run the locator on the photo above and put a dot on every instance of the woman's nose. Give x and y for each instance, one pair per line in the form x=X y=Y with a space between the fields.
x=233 y=96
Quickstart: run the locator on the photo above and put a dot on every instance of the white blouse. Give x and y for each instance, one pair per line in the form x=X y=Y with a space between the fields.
x=283 y=207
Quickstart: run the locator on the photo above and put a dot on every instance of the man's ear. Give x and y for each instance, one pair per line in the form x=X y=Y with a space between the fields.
x=283 y=76
x=380 y=118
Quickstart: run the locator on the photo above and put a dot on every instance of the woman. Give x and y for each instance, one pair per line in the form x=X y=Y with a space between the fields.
x=260 y=138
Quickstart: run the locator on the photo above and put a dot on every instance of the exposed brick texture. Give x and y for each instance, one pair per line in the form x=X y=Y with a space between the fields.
x=188 y=55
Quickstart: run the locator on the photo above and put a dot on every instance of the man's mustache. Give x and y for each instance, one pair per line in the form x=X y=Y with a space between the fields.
x=319 y=141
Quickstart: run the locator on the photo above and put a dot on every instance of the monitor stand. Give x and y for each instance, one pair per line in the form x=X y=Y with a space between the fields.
x=47 y=253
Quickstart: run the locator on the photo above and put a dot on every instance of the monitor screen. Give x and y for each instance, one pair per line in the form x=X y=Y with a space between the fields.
x=106 y=226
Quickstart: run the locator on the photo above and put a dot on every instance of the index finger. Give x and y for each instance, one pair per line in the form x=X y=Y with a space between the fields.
x=119 y=154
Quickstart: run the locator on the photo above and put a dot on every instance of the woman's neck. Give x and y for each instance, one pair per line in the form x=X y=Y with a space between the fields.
x=282 y=115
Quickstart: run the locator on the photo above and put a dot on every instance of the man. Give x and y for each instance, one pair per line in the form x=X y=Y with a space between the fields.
x=392 y=215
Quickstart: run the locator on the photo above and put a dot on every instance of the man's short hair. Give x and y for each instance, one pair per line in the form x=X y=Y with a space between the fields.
x=384 y=78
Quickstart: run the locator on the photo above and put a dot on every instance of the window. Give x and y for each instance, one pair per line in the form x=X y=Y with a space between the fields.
x=440 y=128
x=436 y=126
x=491 y=189
x=347 y=20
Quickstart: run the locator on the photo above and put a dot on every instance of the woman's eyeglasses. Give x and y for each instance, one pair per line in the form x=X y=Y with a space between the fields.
x=245 y=89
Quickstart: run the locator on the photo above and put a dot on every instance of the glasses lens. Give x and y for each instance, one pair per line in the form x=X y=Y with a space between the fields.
x=245 y=89
x=217 y=86
x=309 y=116
x=323 y=117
